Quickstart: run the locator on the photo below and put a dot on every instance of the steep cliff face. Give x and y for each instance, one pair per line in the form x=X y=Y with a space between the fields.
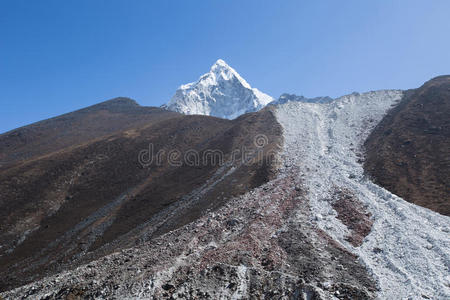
x=409 y=151
x=221 y=92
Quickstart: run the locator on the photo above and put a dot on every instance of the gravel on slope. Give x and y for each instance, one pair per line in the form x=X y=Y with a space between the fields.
x=408 y=247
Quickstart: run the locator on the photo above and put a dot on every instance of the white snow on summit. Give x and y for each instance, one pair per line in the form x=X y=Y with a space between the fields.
x=221 y=92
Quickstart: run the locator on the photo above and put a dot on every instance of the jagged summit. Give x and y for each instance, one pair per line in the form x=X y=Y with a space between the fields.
x=221 y=92
x=284 y=98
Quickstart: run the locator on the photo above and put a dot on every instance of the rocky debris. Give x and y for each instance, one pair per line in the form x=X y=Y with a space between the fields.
x=353 y=214
x=259 y=245
x=399 y=243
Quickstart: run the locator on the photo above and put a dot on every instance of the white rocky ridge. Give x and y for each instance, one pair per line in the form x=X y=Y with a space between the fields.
x=408 y=248
x=221 y=92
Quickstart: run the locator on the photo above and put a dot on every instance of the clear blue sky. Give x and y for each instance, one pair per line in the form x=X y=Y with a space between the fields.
x=58 y=56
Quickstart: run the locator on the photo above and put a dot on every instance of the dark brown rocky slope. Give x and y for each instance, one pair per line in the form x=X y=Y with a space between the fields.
x=72 y=188
x=261 y=245
x=409 y=151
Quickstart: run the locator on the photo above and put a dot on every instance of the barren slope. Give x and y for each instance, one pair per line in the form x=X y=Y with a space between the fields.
x=261 y=245
x=404 y=246
x=81 y=126
x=409 y=151
x=89 y=199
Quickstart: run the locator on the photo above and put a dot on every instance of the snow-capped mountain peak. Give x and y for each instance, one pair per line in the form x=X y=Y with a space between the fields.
x=222 y=70
x=221 y=92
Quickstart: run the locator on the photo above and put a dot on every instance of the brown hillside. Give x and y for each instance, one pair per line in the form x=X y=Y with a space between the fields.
x=88 y=194
x=74 y=128
x=409 y=151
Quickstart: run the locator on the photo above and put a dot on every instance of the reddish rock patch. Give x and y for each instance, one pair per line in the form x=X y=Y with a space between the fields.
x=353 y=214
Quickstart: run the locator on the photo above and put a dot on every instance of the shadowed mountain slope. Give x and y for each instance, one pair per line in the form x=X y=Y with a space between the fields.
x=409 y=151
x=88 y=194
